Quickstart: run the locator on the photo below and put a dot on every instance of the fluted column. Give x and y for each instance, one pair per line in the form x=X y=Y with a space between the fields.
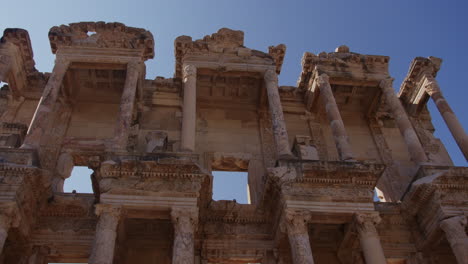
x=296 y=227
x=454 y=229
x=43 y=116
x=279 y=126
x=127 y=103
x=369 y=238
x=334 y=117
x=106 y=234
x=189 y=115
x=185 y=221
x=5 y=67
x=433 y=89
x=415 y=148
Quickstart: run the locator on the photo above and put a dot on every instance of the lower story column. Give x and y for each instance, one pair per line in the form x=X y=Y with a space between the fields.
x=6 y=219
x=185 y=221
x=106 y=233
x=369 y=238
x=454 y=229
x=296 y=227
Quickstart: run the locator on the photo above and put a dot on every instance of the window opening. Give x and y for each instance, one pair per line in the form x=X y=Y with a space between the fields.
x=231 y=185
x=79 y=181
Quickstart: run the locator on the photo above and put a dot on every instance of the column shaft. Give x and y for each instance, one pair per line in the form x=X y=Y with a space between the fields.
x=43 y=116
x=106 y=234
x=415 y=148
x=127 y=104
x=185 y=221
x=334 y=117
x=277 y=117
x=454 y=229
x=189 y=116
x=369 y=238
x=298 y=235
x=455 y=127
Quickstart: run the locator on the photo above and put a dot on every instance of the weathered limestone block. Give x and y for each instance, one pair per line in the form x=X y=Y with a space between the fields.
x=454 y=228
x=185 y=222
x=304 y=149
x=156 y=141
x=64 y=168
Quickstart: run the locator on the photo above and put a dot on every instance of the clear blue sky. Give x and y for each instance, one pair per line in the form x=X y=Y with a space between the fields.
x=400 y=29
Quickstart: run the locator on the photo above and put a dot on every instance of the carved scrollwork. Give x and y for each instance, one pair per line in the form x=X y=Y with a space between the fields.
x=323 y=80
x=190 y=71
x=365 y=223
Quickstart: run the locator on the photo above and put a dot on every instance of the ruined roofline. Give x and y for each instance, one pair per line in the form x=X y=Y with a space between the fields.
x=340 y=59
x=419 y=66
x=106 y=35
x=20 y=38
x=225 y=41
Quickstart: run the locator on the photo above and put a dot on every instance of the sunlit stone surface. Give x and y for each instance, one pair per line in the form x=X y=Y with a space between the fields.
x=313 y=155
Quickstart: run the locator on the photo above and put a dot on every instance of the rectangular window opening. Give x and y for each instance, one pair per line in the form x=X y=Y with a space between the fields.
x=231 y=185
x=79 y=181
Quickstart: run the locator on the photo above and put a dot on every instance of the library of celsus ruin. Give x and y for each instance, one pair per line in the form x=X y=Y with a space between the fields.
x=341 y=169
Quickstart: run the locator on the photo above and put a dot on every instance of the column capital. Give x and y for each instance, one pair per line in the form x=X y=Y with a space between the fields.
x=365 y=223
x=189 y=70
x=62 y=60
x=185 y=220
x=270 y=76
x=296 y=221
x=454 y=227
x=322 y=79
x=111 y=210
x=430 y=85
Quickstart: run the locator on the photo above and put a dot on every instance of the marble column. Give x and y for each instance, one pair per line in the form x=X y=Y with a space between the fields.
x=433 y=89
x=298 y=234
x=454 y=229
x=276 y=110
x=185 y=221
x=189 y=115
x=334 y=117
x=369 y=238
x=106 y=234
x=127 y=103
x=5 y=67
x=415 y=148
x=44 y=112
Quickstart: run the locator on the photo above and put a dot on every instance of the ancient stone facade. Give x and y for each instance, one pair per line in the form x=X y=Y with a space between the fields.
x=316 y=155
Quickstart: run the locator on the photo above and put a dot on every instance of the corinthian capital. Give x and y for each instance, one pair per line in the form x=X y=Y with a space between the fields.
x=365 y=223
x=189 y=70
x=185 y=220
x=323 y=80
x=454 y=227
x=271 y=76
x=431 y=86
x=296 y=221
